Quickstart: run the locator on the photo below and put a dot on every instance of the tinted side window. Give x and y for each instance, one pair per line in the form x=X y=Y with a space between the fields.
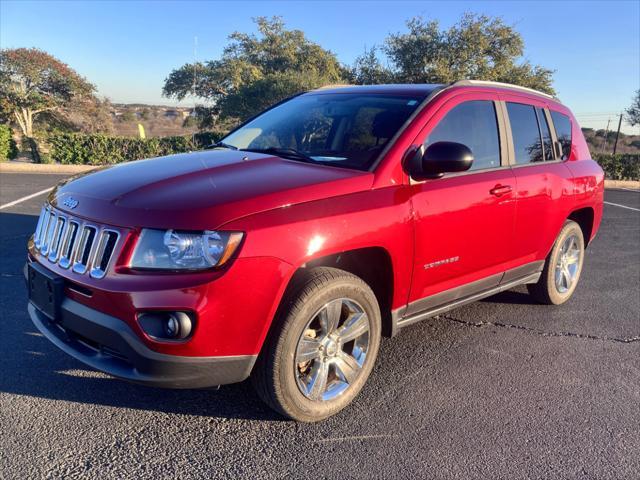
x=525 y=133
x=547 y=143
x=473 y=124
x=562 y=125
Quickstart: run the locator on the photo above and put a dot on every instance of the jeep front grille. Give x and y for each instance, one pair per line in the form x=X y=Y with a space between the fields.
x=73 y=243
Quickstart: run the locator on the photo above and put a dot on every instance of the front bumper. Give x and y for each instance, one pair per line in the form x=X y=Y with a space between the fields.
x=111 y=346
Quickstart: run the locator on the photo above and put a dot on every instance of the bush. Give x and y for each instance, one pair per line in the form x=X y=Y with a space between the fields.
x=99 y=149
x=8 y=149
x=622 y=166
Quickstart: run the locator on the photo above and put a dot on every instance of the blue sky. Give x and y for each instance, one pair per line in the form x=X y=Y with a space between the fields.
x=128 y=48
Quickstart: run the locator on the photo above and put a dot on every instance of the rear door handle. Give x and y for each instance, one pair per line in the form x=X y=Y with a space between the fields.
x=500 y=190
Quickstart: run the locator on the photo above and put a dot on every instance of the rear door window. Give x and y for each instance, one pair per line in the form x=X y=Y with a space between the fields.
x=547 y=143
x=472 y=124
x=527 y=142
x=562 y=124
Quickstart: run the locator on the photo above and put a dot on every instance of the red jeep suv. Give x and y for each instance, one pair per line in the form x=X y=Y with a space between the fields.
x=284 y=252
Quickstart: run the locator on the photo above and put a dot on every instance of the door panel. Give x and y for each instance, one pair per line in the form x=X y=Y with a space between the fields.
x=463 y=232
x=463 y=222
x=541 y=191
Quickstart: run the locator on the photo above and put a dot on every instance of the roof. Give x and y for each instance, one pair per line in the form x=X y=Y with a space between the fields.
x=425 y=89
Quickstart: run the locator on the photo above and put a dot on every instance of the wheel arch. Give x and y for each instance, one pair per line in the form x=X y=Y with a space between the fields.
x=584 y=217
x=372 y=264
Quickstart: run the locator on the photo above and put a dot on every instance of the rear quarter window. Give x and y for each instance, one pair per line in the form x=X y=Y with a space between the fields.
x=562 y=124
x=527 y=143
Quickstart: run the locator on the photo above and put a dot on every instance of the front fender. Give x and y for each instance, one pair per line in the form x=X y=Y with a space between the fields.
x=300 y=233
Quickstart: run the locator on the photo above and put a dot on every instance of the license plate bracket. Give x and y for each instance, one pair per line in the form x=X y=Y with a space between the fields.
x=45 y=290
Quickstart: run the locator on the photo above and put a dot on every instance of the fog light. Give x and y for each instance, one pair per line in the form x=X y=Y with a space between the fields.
x=166 y=325
x=177 y=325
x=171 y=327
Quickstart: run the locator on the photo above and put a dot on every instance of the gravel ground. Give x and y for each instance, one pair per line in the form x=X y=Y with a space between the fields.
x=499 y=389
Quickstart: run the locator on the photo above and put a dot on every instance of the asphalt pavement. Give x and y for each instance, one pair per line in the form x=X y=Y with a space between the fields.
x=503 y=388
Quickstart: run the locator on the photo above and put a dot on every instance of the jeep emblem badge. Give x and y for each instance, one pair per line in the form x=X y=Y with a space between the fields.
x=70 y=202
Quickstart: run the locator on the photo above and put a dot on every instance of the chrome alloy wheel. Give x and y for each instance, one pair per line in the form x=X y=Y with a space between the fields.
x=568 y=264
x=332 y=349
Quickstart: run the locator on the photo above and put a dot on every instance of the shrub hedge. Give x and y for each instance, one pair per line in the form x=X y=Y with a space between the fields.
x=100 y=149
x=8 y=148
x=621 y=166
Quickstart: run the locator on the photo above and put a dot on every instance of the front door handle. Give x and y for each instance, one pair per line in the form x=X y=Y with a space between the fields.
x=500 y=190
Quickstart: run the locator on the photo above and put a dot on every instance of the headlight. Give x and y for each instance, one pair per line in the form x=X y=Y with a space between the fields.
x=180 y=250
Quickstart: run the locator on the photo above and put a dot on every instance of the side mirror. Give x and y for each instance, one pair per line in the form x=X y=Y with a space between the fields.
x=439 y=158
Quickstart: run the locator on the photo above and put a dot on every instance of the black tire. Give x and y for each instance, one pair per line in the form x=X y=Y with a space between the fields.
x=276 y=375
x=547 y=291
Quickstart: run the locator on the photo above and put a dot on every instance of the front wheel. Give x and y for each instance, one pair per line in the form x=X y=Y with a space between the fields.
x=562 y=268
x=324 y=348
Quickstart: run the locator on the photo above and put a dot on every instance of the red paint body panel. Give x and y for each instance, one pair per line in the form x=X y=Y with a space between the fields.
x=292 y=213
x=450 y=213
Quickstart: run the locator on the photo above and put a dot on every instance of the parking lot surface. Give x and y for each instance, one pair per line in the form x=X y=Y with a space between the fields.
x=503 y=388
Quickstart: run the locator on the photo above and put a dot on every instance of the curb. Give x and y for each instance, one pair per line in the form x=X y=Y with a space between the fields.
x=24 y=167
x=627 y=184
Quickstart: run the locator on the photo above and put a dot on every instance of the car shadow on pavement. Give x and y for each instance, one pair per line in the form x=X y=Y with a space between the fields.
x=518 y=296
x=40 y=370
x=32 y=366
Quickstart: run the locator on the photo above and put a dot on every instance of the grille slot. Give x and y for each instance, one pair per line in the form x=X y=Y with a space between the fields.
x=46 y=214
x=58 y=231
x=47 y=233
x=104 y=252
x=83 y=251
x=66 y=249
x=72 y=243
x=36 y=236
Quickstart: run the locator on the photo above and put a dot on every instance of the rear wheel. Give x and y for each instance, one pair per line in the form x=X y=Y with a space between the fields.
x=562 y=268
x=324 y=348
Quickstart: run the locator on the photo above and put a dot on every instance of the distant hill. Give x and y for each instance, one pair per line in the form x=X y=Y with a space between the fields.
x=158 y=120
x=596 y=141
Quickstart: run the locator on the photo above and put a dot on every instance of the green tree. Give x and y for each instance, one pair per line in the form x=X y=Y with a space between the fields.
x=255 y=71
x=32 y=83
x=127 y=116
x=633 y=112
x=477 y=47
x=8 y=148
x=369 y=70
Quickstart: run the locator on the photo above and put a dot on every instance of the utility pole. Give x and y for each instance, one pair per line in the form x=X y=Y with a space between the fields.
x=606 y=135
x=615 y=145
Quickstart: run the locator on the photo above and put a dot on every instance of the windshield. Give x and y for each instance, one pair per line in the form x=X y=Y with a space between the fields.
x=341 y=129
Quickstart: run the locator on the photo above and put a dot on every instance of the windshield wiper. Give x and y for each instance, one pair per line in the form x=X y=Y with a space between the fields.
x=289 y=153
x=222 y=145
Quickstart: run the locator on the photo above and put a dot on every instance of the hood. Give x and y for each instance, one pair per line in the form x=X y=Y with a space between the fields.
x=201 y=190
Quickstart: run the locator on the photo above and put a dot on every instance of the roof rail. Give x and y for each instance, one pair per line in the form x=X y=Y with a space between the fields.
x=487 y=83
x=334 y=85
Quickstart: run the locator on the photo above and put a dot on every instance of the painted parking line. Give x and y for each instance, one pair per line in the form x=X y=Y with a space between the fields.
x=623 y=206
x=24 y=199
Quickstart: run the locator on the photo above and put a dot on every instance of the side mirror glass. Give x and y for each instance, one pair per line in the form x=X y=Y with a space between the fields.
x=437 y=159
